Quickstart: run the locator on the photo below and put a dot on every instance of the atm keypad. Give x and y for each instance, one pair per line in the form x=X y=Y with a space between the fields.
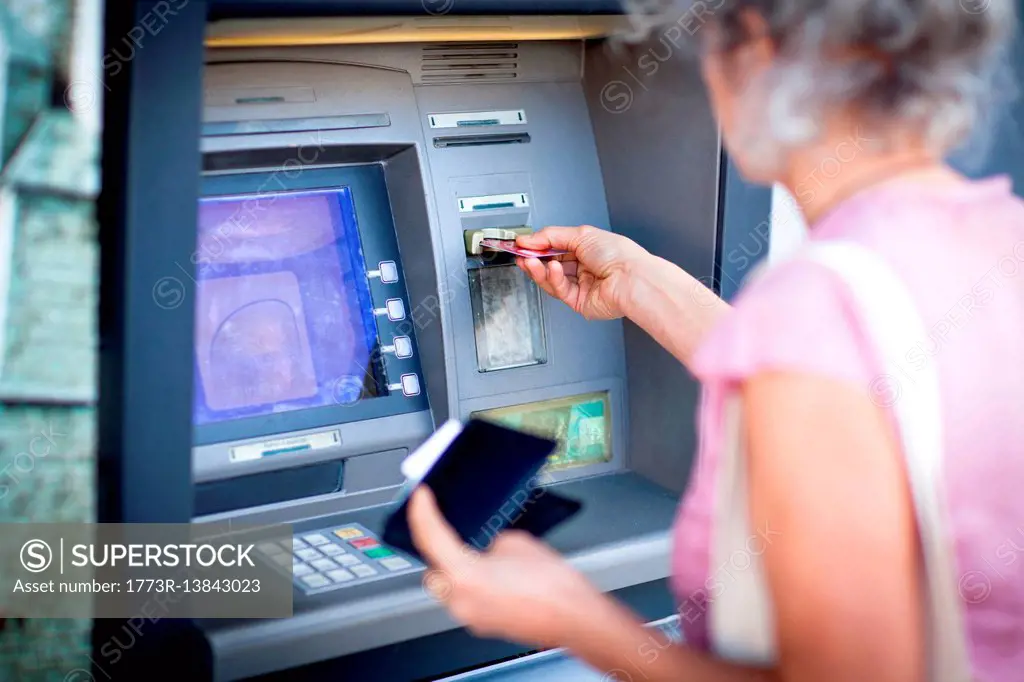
x=336 y=557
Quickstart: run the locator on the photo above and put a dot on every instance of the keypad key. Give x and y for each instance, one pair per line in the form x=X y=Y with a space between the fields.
x=309 y=554
x=395 y=563
x=348 y=533
x=298 y=544
x=363 y=543
x=347 y=560
x=363 y=571
x=282 y=559
x=315 y=539
x=378 y=552
x=300 y=569
x=331 y=549
x=323 y=565
x=315 y=580
x=340 y=575
x=270 y=548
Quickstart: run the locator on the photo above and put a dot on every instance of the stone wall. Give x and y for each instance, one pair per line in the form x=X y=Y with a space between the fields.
x=48 y=299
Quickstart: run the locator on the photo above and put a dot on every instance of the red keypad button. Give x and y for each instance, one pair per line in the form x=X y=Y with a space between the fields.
x=363 y=543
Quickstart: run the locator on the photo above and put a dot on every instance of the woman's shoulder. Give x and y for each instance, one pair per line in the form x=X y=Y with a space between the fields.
x=797 y=317
x=800 y=316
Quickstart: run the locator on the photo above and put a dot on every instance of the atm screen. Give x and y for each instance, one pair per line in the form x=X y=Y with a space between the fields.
x=284 y=319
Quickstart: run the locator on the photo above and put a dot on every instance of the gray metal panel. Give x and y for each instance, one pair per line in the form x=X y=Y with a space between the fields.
x=409 y=206
x=559 y=171
x=542 y=61
x=371 y=472
x=659 y=150
x=213 y=462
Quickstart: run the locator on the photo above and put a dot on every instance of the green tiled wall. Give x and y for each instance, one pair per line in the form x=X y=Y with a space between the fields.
x=47 y=380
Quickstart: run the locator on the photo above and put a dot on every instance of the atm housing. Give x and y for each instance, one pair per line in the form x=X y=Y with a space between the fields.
x=434 y=140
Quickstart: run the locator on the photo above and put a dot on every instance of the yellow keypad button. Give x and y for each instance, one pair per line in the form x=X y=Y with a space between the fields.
x=348 y=533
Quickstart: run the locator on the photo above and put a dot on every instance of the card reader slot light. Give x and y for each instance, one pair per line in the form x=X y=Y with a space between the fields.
x=484 y=207
x=282 y=451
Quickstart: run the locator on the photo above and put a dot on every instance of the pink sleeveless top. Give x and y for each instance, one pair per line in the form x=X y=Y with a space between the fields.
x=961 y=254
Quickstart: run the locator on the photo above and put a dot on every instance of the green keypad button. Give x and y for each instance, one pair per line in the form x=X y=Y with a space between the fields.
x=378 y=552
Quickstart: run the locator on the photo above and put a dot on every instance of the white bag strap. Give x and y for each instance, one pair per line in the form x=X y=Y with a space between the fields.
x=895 y=327
x=742 y=618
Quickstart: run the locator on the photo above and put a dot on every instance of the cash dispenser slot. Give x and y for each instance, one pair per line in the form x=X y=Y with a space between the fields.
x=271 y=487
x=294 y=125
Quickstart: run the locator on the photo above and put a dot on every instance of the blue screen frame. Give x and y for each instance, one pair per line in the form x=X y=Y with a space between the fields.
x=370 y=212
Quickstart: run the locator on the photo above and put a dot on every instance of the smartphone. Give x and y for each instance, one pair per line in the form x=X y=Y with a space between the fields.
x=484 y=478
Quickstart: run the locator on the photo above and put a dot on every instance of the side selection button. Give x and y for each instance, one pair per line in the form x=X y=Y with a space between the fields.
x=410 y=384
x=396 y=309
x=403 y=347
x=388 y=271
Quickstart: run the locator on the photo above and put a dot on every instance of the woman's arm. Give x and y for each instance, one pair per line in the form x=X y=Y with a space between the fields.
x=671 y=305
x=606 y=276
x=827 y=475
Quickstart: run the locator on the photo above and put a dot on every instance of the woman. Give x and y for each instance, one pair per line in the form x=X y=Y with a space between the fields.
x=826 y=467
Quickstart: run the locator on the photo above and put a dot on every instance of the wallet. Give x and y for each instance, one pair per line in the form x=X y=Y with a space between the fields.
x=484 y=478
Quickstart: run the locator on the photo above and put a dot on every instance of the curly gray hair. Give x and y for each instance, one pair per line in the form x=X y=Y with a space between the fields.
x=928 y=64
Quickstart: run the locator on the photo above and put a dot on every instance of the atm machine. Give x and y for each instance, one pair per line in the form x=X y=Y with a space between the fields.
x=344 y=310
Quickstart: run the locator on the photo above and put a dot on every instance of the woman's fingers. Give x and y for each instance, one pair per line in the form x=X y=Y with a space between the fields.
x=552 y=277
x=550 y=238
x=562 y=287
x=436 y=540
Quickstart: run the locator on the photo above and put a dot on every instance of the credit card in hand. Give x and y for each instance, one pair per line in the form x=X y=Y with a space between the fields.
x=510 y=246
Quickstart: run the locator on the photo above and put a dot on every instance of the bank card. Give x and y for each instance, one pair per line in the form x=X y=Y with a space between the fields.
x=510 y=246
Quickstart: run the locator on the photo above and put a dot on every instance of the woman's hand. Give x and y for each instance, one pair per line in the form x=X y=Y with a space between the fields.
x=519 y=590
x=594 y=278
